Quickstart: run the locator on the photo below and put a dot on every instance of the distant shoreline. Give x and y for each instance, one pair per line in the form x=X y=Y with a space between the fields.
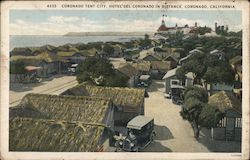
x=57 y=40
x=108 y=33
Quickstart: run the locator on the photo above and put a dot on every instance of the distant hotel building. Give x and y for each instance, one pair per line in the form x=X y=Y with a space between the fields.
x=185 y=29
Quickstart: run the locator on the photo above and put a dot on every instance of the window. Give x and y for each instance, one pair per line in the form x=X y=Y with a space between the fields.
x=174 y=82
x=238 y=123
x=222 y=122
x=183 y=83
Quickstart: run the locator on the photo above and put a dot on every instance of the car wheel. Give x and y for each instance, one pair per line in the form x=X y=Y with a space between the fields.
x=136 y=150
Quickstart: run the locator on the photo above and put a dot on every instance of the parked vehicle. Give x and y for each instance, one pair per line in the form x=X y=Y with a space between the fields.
x=142 y=84
x=72 y=69
x=140 y=134
x=176 y=94
x=177 y=100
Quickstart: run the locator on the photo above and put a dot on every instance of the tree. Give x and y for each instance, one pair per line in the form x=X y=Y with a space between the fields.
x=196 y=65
x=99 y=71
x=197 y=111
x=146 y=36
x=117 y=80
x=93 y=68
x=108 y=49
x=191 y=112
x=17 y=67
x=181 y=73
x=210 y=116
x=196 y=92
x=219 y=73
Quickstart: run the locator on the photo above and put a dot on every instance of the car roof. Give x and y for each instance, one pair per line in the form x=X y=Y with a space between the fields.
x=138 y=122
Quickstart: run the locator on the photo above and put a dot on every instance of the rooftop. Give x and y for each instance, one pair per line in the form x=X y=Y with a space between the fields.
x=28 y=134
x=149 y=52
x=121 y=96
x=142 y=65
x=224 y=101
x=127 y=69
x=161 y=65
x=67 y=108
x=172 y=72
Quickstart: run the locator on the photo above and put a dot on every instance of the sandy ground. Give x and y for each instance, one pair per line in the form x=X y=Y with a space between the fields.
x=175 y=134
x=54 y=85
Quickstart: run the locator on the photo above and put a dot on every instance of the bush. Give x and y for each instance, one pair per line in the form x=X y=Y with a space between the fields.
x=17 y=67
x=101 y=72
x=210 y=116
x=196 y=92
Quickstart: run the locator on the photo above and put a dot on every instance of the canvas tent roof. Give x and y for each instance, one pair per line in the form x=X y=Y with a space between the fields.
x=120 y=96
x=29 y=134
x=67 y=108
x=127 y=69
x=161 y=65
x=32 y=68
x=224 y=101
x=149 y=52
x=144 y=77
x=57 y=123
x=142 y=65
x=172 y=72
x=174 y=56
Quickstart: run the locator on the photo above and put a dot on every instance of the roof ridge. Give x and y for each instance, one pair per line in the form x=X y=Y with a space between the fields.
x=117 y=88
x=53 y=121
x=69 y=96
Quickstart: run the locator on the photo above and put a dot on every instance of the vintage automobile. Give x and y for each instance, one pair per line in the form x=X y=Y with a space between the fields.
x=176 y=94
x=140 y=134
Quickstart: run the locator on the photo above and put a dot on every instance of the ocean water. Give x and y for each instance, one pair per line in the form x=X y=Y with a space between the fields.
x=36 y=41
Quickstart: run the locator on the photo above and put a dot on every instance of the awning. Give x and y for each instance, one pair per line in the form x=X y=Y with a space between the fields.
x=74 y=65
x=177 y=86
x=32 y=68
x=144 y=77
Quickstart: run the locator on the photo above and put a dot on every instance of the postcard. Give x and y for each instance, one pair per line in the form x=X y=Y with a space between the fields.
x=124 y=80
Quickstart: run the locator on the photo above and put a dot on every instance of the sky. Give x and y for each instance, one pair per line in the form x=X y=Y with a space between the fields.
x=59 y=22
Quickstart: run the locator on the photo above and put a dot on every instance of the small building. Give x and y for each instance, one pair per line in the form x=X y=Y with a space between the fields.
x=128 y=102
x=218 y=53
x=131 y=72
x=173 y=58
x=21 y=51
x=117 y=51
x=74 y=57
x=217 y=87
x=29 y=76
x=49 y=64
x=149 y=55
x=54 y=123
x=159 y=69
x=190 y=54
x=144 y=67
x=171 y=80
x=230 y=126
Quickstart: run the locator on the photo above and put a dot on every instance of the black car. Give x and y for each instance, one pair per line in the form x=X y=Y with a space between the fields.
x=177 y=100
x=140 y=134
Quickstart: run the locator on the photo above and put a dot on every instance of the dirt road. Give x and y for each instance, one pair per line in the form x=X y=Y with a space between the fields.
x=173 y=133
x=51 y=86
